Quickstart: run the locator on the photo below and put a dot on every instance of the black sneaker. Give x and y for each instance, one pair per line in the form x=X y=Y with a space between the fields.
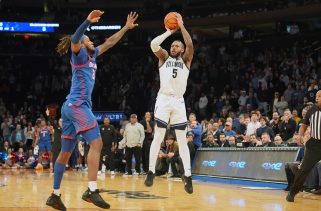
x=188 y=186
x=55 y=202
x=290 y=197
x=95 y=198
x=149 y=179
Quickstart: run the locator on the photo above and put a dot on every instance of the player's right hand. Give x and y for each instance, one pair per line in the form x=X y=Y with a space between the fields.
x=94 y=16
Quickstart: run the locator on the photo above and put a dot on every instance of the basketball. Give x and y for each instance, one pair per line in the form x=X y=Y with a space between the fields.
x=170 y=21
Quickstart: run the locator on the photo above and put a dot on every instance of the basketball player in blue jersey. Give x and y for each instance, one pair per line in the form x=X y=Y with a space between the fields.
x=77 y=117
x=43 y=140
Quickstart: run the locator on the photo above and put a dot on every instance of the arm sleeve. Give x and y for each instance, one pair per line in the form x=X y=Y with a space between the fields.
x=75 y=38
x=157 y=41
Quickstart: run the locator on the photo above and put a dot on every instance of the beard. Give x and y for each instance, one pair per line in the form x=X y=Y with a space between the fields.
x=176 y=55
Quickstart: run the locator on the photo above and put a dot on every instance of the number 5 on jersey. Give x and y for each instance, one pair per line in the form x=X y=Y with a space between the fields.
x=174 y=73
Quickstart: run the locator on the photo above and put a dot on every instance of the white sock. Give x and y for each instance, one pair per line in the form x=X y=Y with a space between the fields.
x=92 y=185
x=184 y=151
x=56 y=192
x=155 y=146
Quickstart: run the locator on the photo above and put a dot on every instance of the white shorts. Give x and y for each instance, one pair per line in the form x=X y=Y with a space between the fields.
x=170 y=110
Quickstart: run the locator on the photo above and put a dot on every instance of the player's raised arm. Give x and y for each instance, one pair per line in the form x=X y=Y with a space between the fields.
x=189 y=51
x=111 y=41
x=76 y=38
x=161 y=53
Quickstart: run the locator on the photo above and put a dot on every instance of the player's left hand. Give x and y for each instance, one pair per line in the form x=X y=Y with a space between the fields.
x=179 y=20
x=131 y=18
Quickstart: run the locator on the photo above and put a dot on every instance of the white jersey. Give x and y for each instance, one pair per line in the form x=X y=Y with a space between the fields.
x=173 y=75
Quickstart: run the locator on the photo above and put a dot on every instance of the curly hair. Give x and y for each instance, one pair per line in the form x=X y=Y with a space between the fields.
x=64 y=45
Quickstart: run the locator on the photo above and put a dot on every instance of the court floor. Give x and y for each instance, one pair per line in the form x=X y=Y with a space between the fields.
x=27 y=190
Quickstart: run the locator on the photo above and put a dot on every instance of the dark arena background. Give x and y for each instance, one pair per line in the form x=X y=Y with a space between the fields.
x=255 y=74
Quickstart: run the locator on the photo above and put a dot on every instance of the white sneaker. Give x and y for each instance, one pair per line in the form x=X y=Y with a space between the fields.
x=112 y=173
x=135 y=173
x=126 y=174
x=103 y=168
x=168 y=175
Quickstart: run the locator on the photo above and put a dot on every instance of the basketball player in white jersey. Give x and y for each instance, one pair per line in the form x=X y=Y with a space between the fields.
x=170 y=105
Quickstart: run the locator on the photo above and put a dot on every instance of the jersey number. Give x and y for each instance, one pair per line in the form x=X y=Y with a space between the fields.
x=174 y=73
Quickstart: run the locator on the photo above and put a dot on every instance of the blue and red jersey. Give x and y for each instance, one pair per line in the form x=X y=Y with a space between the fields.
x=84 y=68
x=44 y=135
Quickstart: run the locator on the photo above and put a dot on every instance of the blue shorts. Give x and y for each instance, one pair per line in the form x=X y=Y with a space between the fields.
x=44 y=146
x=79 y=120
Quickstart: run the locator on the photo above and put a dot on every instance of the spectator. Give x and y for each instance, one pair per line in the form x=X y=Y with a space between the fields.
x=275 y=122
x=5 y=128
x=206 y=129
x=202 y=105
x=11 y=159
x=31 y=160
x=196 y=129
x=288 y=94
x=280 y=105
x=210 y=142
x=253 y=124
x=252 y=101
x=228 y=130
x=242 y=99
x=172 y=157
x=295 y=116
x=278 y=141
x=216 y=131
x=253 y=141
x=223 y=142
x=190 y=137
x=232 y=141
x=5 y=147
x=123 y=122
x=221 y=123
x=264 y=129
x=241 y=129
x=134 y=136
x=266 y=140
x=29 y=134
x=304 y=113
x=312 y=91
x=21 y=158
x=17 y=136
x=287 y=127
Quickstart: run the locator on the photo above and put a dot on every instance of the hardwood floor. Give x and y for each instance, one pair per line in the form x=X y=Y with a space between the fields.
x=27 y=190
